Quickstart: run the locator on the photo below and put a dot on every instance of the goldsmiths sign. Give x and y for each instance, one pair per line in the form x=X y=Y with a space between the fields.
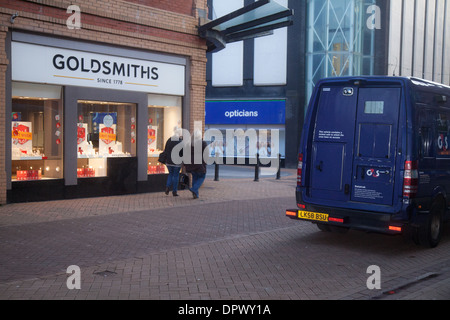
x=41 y=64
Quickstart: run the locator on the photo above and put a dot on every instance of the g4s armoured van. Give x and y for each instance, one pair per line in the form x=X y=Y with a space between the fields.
x=375 y=156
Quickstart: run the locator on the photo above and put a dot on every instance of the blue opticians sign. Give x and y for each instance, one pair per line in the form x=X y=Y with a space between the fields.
x=245 y=112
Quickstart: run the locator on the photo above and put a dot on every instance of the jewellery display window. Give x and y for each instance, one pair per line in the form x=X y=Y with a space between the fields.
x=36 y=133
x=104 y=130
x=164 y=117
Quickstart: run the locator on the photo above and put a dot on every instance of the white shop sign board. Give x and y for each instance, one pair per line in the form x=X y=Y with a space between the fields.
x=51 y=65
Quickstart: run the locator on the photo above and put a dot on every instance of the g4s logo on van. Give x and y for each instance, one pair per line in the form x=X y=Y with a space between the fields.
x=376 y=173
x=443 y=142
x=373 y=173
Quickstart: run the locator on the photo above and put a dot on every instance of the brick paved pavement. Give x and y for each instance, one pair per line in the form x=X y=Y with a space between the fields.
x=232 y=243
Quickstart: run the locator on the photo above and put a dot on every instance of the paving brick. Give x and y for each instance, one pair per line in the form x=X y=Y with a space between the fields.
x=234 y=243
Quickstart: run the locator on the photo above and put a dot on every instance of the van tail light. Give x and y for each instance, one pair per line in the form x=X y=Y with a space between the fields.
x=337 y=220
x=292 y=213
x=300 y=170
x=395 y=228
x=411 y=179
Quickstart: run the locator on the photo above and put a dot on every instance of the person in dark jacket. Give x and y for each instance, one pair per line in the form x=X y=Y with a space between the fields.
x=172 y=165
x=197 y=165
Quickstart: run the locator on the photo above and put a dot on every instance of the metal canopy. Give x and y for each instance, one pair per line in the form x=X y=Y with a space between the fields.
x=255 y=20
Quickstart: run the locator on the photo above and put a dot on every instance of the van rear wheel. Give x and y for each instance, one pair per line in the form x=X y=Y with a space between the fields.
x=429 y=232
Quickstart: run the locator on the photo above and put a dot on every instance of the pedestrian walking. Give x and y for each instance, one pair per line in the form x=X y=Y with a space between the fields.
x=197 y=165
x=173 y=161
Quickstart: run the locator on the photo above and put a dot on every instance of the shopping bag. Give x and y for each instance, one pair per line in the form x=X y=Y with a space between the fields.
x=162 y=157
x=184 y=180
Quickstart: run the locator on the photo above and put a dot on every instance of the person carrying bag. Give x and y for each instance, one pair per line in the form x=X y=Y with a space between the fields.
x=172 y=167
x=197 y=169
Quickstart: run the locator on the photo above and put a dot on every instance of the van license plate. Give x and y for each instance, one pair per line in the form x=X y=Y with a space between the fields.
x=313 y=216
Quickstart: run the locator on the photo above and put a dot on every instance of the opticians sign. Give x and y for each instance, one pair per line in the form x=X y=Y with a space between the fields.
x=41 y=64
x=245 y=112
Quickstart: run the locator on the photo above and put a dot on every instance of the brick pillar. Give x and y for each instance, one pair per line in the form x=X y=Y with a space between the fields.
x=3 y=67
x=198 y=89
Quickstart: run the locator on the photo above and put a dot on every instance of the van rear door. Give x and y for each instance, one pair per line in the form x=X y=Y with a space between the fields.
x=354 y=144
x=332 y=146
x=375 y=145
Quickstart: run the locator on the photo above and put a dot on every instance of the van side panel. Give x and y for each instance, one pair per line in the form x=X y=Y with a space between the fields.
x=433 y=144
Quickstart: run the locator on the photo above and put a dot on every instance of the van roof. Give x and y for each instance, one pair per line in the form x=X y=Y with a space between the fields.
x=427 y=83
x=413 y=81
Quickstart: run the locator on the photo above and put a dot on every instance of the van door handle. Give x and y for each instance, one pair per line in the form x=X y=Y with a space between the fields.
x=319 y=166
x=347 y=189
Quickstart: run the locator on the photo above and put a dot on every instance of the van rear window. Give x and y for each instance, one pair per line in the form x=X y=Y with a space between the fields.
x=374 y=107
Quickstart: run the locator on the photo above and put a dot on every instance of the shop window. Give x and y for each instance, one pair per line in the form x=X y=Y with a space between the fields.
x=104 y=130
x=164 y=116
x=37 y=132
x=247 y=143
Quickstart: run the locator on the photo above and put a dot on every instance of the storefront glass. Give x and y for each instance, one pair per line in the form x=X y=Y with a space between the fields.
x=246 y=142
x=104 y=130
x=164 y=116
x=37 y=132
x=246 y=128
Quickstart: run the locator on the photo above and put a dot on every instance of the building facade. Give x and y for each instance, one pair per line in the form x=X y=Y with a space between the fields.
x=251 y=77
x=328 y=38
x=91 y=91
x=419 y=39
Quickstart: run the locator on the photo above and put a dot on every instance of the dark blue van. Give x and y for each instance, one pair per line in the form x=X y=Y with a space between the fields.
x=375 y=156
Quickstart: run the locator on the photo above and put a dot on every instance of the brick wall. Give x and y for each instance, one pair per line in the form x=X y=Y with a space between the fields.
x=161 y=26
x=183 y=7
x=3 y=65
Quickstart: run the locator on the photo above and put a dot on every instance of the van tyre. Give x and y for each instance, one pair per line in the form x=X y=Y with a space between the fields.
x=429 y=232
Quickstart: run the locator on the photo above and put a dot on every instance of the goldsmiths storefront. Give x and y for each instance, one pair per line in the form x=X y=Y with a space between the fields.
x=89 y=119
